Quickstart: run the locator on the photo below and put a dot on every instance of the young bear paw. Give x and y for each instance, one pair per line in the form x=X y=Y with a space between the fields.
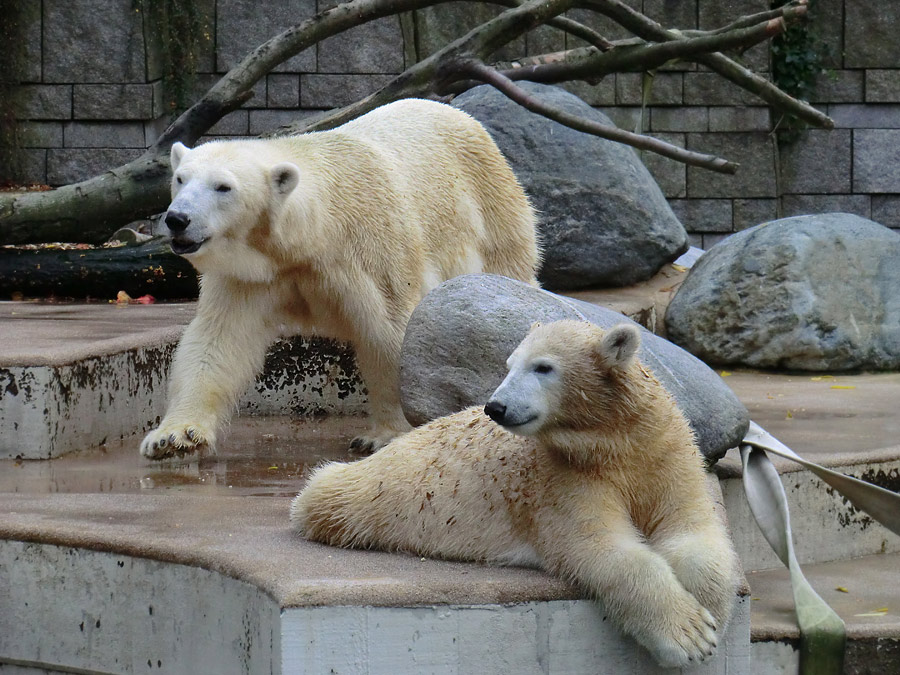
x=686 y=639
x=171 y=439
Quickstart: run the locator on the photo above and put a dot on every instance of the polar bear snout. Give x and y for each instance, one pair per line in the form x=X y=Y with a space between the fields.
x=519 y=415
x=496 y=411
x=177 y=221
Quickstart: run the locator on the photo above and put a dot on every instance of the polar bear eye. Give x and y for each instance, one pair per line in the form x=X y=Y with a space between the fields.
x=178 y=180
x=221 y=187
x=543 y=368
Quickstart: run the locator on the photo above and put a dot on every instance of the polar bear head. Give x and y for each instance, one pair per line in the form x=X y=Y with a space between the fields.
x=566 y=376
x=225 y=195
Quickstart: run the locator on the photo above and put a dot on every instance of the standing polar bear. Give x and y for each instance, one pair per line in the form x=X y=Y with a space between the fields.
x=600 y=482
x=337 y=233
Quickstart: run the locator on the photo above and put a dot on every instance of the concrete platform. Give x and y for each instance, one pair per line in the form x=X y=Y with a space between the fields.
x=79 y=375
x=189 y=566
x=74 y=377
x=865 y=593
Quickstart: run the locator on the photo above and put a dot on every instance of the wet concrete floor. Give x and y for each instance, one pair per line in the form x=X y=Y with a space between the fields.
x=257 y=456
x=821 y=417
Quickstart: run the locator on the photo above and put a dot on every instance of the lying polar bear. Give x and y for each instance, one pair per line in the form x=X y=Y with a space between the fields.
x=339 y=234
x=592 y=474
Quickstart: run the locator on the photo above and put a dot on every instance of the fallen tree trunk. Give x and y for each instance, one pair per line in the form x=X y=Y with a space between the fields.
x=148 y=269
x=89 y=211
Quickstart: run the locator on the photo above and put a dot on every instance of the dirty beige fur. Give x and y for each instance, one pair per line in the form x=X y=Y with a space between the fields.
x=338 y=234
x=600 y=482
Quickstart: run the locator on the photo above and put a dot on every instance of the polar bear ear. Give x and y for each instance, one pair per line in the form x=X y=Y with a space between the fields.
x=179 y=150
x=284 y=178
x=618 y=347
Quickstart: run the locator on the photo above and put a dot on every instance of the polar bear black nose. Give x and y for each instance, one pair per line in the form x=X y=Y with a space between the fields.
x=496 y=411
x=177 y=222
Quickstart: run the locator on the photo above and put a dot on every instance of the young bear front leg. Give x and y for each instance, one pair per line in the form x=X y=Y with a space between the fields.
x=220 y=352
x=636 y=586
x=705 y=564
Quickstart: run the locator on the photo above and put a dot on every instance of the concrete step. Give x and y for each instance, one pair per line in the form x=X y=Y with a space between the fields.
x=865 y=593
x=182 y=567
x=75 y=376
x=844 y=422
x=209 y=537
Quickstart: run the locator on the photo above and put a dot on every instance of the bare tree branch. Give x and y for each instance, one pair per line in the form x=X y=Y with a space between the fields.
x=650 y=30
x=440 y=71
x=586 y=63
x=509 y=88
x=788 y=11
x=90 y=210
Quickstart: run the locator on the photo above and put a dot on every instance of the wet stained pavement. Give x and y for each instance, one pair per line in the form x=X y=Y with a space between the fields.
x=257 y=456
x=825 y=418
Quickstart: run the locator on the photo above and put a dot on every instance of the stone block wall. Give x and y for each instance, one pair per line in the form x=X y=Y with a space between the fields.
x=93 y=97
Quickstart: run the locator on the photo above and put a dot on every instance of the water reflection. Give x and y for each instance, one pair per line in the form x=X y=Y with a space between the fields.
x=257 y=457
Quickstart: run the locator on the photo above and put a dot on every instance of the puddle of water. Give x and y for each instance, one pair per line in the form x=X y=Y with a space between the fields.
x=256 y=457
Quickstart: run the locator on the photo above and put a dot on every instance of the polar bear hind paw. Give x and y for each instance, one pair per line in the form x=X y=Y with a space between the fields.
x=691 y=640
x=169 y=440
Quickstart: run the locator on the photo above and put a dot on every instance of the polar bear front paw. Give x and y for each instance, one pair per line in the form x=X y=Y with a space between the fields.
x=687 y=639
x=373 y=440
x=170 y=439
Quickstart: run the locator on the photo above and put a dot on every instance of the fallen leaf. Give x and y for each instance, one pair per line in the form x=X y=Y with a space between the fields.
x=122 y=298
x=843 y=386
x=273 y=468
x=790 y=415
x=842 y=589
x=725 y=373
x=819 y=378
x=145 y=300
x=878 y=612
x=679 y=268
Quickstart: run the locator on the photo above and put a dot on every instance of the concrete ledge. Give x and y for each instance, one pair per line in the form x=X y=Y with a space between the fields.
x=865 y=593
x=232 y=589
x=49 y=410
x=73 y=610
x=825 y=526
x=74 y=377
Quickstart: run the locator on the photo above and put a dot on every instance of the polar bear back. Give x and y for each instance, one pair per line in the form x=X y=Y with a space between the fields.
x=441 y=177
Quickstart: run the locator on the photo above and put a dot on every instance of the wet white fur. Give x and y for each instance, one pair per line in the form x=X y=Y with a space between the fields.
x=339 y=234
x=605 y=489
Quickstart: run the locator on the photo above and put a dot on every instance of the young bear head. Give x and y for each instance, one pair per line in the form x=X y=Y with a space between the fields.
x=224 y=196
x=571 y=383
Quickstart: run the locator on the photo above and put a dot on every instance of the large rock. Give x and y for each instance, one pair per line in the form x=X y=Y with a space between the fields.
x=813 y=292
x=603 y=219
x=459 y=337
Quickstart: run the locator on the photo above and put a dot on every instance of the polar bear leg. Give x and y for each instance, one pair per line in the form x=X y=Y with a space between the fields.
x=379 y=365
x=638 y=589
x=220 y=352
x=705 y=564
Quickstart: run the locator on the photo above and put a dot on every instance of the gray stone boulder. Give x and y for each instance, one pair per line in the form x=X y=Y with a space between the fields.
x=459 y=337
x=603 y=219
x=819 y=292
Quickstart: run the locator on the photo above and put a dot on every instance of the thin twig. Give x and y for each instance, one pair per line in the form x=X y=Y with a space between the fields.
x=650 y=30
x=793 y=9
x=510 y=89
x=587 y=63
